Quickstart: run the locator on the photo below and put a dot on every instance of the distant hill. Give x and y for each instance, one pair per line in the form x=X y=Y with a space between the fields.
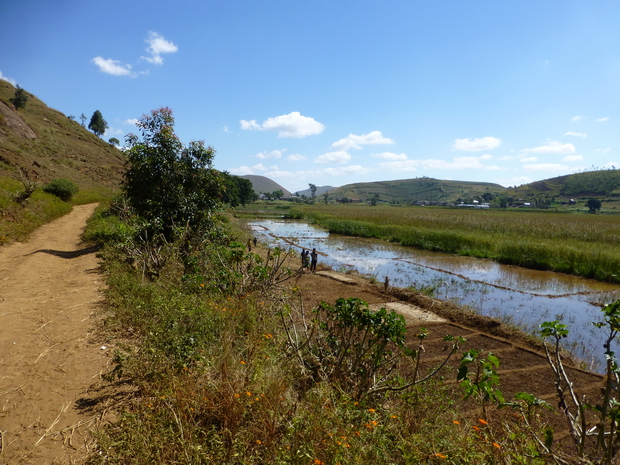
x=415 y=190
x=600 y=183
x=45 y=144
x=320 y=190
x=262 y=184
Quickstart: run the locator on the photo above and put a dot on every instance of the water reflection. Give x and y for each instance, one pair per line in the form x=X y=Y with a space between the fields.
x=512 y=294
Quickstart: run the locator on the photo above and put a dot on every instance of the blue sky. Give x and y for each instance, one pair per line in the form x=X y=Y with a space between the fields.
x=335 y=92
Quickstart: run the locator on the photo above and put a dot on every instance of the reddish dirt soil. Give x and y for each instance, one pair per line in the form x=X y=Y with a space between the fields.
x=49 y=291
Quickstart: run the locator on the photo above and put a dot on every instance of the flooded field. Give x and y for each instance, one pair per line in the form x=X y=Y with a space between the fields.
x=511 y=294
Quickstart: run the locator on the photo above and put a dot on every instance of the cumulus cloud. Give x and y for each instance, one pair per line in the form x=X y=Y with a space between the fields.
x=291 y=125
x=272 y=154
x=528 y=159
x=574 y=119
x=572 y=158
x=546 y=167
x=113 y=67
x=576 y=134
x=353 y=141
x=8 y=79
x=157 y=46
x=517 y=181
x=600 y=120
x=334 y=157
x=295 y=157
x=603 y=150
x=131 y=121
x=476 y=145
x=390 y=156
x=553 y=147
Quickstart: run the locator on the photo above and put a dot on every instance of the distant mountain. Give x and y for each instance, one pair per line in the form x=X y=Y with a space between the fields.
x=261 y=184
x=599 y=183
x=45 y=144
x=320 y=190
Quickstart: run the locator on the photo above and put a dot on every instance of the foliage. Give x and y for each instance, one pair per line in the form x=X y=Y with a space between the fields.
x=114 y=141
x=29 y=187
x=237 y=190
x=19 y=99
x=62 y=188
x=606 y=428
x=482 y=383
x=97 y=124
x=168 y=185
x=593 y=205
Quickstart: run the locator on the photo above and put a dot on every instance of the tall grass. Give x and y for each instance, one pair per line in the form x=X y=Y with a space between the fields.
x=581 y=244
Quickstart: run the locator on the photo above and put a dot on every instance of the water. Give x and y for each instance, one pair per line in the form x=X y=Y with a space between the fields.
x=511 y=294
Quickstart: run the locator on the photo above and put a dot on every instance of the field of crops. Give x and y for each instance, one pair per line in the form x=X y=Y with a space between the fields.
x=582 y=244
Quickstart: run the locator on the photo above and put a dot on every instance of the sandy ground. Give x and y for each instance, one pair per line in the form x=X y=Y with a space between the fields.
x=49 y=291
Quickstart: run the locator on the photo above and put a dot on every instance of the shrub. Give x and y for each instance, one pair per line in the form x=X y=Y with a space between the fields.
x=62 y=188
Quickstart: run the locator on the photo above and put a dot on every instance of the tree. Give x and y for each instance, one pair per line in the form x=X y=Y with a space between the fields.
x=97 y=124
x=236 y=190
x=19 y=99
x=312 y=191
x=83 y=119
x=168 y=185
x=114 y=141
x=593 y=205
x=374 y=199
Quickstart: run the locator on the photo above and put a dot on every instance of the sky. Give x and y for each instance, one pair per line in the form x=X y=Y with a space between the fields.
x=332 y=92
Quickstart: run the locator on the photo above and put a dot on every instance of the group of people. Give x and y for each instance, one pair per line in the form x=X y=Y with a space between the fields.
x=309 y=259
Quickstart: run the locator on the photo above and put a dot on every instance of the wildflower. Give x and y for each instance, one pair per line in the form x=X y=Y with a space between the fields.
x=318 y=462
x=497 y=445
x=237 y=395
x=484 y=422
x=259 y=442
x=248 y=393
x=202 y=285
x=356 y=403
x=242 y=362
x=393 y=416
x=476 y=428
x=441 y=456
x=371 y=410
x=357 y=433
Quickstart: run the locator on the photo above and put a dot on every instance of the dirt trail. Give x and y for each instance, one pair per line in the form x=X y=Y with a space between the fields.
x=49 y=290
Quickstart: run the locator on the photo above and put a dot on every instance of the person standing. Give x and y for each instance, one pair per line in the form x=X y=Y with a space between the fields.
x=304 y=255
x=314 y=256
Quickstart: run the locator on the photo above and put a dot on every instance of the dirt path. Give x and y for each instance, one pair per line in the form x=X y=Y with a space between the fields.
x=48 y=358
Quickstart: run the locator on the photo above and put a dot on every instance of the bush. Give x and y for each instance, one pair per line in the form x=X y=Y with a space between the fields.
x=62 y=188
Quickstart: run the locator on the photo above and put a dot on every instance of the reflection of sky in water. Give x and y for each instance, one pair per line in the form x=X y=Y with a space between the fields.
x=466 y=281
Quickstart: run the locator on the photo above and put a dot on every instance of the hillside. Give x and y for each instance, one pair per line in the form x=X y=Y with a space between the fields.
x=320 y=190
x=45 y=144
x=418 y=189
x=261 y=184
x=600 y=183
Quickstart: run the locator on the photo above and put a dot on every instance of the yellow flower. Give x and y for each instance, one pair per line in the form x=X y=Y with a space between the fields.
x=497 y=445
x=372 y=410
x=484 y=422
x=242 y=362
x=441 y=456
x=456 y=422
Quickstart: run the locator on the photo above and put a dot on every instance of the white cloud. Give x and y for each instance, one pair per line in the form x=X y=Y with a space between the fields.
x=291 y=125
x=295 y=157
x=8 y=79
x=505 y=157
x=485 y=157
x=600 y=120
x=249 y=169
x=272 y=154
x=603 y=150
x=572 y=158
x=113 y=67
x=476 y=145
x=576 y=134
x=334 y=157
x=353 y=141
x=390 y=156
x=528 y=159
x=519 y=180
x=457 y=163
x=305 y=175
x=577 y=118
x=157 y=46
x=131 y=121
x=546 y=167
x=553 y=147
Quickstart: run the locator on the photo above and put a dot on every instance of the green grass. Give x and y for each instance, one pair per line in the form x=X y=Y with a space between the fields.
x=581 y=244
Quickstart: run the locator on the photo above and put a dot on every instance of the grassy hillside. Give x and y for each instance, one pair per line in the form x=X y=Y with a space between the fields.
x=261 y=184
x=418 y=189
x=44 y=144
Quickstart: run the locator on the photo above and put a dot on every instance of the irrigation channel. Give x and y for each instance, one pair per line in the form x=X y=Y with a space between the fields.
x=511 y=294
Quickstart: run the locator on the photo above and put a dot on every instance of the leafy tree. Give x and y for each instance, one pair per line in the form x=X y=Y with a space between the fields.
x=114 y=141
x=237 y=190
x=593 y=205
x=312 y=191
x=19 y=99
x=374 y=199
x=170 y=186
x=97 y=124
x=83 y=119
